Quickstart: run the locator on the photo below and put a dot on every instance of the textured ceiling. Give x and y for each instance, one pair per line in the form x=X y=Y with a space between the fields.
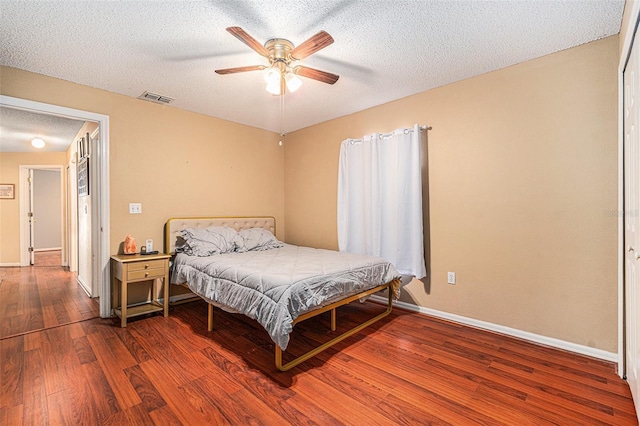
x=18 y=128
x=384 y=50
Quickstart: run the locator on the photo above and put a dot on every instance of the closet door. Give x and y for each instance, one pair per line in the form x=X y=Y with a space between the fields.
x=632 y=220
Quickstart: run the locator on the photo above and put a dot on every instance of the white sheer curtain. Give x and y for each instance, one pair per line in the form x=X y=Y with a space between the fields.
x=380 y=199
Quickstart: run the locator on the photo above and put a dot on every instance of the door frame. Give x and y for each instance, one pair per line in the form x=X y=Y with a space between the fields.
x=100 y=238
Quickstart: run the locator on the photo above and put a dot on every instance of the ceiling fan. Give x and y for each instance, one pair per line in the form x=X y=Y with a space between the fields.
x=281 y=73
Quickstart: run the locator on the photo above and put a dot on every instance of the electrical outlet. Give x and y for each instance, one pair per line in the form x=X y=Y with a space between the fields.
x=135 y=208
x=451 y=277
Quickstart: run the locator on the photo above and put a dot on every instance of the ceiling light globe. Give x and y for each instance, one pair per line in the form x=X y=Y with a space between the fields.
x=274 y=88
x=37 y=143
x=272 y=76
x=293 y=82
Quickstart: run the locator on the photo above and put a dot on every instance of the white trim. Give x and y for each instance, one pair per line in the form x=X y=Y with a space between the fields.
x=513 y=332
x=101 y=236
x=625 y=51
x=72 y=205
x=629 y=35
x=24 y=202
x=63 y=221
x=9 y=265
x=104 y=219
x=84 y=285
x=47 y=249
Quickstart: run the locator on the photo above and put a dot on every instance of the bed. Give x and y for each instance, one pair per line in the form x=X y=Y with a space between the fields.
x=237 y=264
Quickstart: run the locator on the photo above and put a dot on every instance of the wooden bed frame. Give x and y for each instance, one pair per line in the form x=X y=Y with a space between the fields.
x=175 y=225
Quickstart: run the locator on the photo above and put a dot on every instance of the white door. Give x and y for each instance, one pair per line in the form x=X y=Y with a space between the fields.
x=632 y=220
x=67 y=219
x=32 y=220
x=95 y=219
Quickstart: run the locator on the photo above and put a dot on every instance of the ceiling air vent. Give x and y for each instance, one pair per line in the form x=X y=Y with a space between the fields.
x=154 y=97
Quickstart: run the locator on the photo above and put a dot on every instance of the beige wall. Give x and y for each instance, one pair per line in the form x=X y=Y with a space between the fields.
x=522 y=181
x=172 y=161
x=10 y=209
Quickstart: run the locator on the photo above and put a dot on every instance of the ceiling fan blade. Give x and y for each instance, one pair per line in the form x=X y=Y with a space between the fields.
x=323 y=76
x=240 y=69
x=315 y=43
x=241 y=35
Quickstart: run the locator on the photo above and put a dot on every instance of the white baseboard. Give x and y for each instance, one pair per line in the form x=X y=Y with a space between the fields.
x=525 y=335
x=85 y=287
x=9 y=264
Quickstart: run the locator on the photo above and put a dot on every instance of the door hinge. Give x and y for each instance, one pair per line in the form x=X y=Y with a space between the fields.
x=30 y=249
x=30 y=214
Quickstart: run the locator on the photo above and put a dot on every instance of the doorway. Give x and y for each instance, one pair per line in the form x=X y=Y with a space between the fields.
x=100 y=244
x=44 y=221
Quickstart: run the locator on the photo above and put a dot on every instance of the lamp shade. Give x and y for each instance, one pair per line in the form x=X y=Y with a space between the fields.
x=293 y=82
x=272 y=75
x=274 y=87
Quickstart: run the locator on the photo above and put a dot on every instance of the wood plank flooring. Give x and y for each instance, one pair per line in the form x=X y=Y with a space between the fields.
x=47 y=258
x=406 y=369
x=37 y=297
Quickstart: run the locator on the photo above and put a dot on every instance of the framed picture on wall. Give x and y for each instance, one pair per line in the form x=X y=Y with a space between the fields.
x=83 y=178
x=80 y=149
x=7 y=191
x=83 y=147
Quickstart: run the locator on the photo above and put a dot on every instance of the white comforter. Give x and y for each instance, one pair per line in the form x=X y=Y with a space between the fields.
x=275 y=286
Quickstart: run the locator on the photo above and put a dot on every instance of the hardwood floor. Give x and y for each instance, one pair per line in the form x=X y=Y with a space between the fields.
x=406 y=369
x=47 y=258
x=38 y=297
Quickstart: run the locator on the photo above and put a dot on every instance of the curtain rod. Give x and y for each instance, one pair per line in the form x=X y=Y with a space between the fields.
x=388 y=135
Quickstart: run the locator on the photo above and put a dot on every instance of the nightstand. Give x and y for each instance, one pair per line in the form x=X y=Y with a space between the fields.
x=135 y=268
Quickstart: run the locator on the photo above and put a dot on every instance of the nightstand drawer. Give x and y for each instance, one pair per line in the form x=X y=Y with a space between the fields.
x=142 y=265
x=145 y=273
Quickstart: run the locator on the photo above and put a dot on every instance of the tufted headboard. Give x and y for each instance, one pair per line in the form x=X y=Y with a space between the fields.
x=176 y=224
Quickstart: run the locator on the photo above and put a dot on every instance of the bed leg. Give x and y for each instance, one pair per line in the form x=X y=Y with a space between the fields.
x=210 y=317
x=333 y=319
x=279 y=358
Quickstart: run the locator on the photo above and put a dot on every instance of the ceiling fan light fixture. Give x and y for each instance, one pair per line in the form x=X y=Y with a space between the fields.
x=293 y=82
x=37 y=143
x=281 y=54
x=272 y=75
x=274 y=87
